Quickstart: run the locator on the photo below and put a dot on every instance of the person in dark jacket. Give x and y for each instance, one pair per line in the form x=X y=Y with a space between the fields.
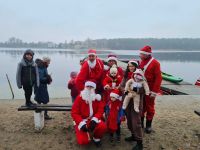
x=41 y=92
x=27 y=76
x=72 y=86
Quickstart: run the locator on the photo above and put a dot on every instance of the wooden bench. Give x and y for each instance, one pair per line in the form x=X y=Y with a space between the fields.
x=39 y=112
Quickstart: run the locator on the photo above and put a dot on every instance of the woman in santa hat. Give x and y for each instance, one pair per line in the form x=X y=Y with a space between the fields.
x=115 y=114
x=87 y=112
x=111 y=81
x=92 y=69
x=133 y=117
x=112 y=60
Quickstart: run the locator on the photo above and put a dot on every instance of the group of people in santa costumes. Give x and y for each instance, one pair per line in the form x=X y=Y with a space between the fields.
x=98 y=108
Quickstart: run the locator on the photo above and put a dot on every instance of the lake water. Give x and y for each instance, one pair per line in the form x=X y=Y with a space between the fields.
x=184 y=64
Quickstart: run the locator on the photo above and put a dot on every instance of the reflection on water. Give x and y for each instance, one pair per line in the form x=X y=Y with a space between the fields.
x=182 y=64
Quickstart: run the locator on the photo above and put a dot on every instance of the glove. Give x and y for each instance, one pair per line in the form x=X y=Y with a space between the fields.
x=84 y=128
x=49 y=79
x=92 y=125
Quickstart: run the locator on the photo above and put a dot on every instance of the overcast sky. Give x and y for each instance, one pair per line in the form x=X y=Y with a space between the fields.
x=60 y=20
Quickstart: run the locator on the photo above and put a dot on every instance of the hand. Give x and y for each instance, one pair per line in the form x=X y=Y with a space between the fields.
x=84 y=128
x=49 y=79
x=126 y=93
x=107 y=87
x=92 y=125
x=152 y=95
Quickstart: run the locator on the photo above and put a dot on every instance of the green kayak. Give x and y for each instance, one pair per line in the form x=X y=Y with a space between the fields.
x=169 y=77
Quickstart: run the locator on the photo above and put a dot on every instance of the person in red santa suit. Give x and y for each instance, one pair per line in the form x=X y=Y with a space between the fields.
x=92 y=69
x=87 y=112
x=152 y=73
x=115 y=114
x=111 y=81
x=112 y=60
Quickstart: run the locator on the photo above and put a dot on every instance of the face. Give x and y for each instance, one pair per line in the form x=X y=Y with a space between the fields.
x=113 y=74
x=111 y=63
x=113 y=98
x=91 y=58
x=90 y=88
x=131 y=67
x=28 y=56
x=144 y=56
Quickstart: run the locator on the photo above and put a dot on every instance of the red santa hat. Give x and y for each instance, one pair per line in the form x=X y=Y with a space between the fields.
x=90 y=83
x=112 y=57
x=146 y=50
x=92 y=52
x=116 y=94
x=133 y=61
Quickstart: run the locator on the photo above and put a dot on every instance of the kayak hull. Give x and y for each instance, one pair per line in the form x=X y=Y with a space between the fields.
x=171 y=78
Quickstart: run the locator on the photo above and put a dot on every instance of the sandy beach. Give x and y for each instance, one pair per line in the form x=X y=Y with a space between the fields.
x=175 y=126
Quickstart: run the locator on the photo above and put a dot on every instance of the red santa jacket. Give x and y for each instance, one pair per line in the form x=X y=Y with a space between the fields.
x=81 y=110
x=87 y=73
x=114 y=115
x=152 y=74
x=112 y=82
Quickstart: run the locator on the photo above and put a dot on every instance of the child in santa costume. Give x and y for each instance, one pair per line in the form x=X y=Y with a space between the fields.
x=112 y=60
x=92 y=69
x=115 y=114
x=132 y=89
x=87 y=112
x=152 y=73
x=111 y=81
x=72 y=86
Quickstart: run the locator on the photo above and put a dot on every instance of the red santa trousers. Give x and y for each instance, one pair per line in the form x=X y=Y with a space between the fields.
x=148 y=108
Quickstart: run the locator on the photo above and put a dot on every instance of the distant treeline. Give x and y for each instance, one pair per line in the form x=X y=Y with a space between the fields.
x=115 y=44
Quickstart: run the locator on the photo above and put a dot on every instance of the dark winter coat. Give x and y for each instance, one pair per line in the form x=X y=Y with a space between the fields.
x=27 y=73
x=41 y=92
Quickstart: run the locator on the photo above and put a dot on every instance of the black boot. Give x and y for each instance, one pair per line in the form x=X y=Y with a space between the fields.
x=46 y=116
x=30 y=104
x=130 y=138
x=138 y=146
x=148 y=129
x=98 y=144
x=111 y=137
x=142 y=122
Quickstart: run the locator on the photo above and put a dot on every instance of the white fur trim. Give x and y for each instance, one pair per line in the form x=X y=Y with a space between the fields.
x=112 y=58
x=114 y=95
x=82 y=123
x=96 y=140
x=106 y=67
x=92 y=54
x=90 y=83
x=95 y=119
x=120 y=98
x=153 y=94
x=146 y=53
x=98 y=97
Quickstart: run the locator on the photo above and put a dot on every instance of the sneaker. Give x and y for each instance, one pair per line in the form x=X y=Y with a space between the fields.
x=31 y=104
x=47 y=117
x=118 y=138
x=138 y=147
x=130 y=139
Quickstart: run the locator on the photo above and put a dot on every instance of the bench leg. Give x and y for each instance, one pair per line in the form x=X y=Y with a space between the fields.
x=39 y=120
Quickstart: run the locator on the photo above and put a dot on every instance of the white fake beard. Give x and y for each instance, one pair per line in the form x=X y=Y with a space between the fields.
x=88 y=95
x=92 y=64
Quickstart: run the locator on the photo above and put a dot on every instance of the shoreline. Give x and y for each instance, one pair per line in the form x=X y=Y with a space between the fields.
x=175 y=126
